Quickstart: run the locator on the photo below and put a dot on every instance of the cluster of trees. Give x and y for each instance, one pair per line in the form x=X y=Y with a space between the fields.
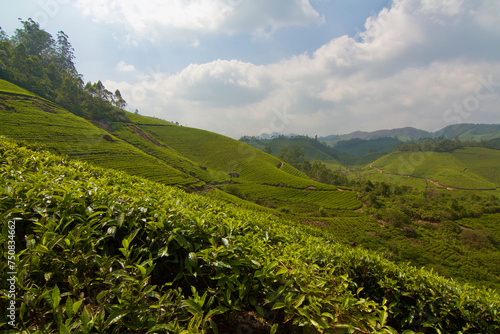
x=359 y=147
x=445 y=145
x=34 y=60
x=399 y=205
x=315 y=170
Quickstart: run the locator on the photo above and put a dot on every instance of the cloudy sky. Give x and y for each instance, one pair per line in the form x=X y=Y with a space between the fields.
x=312 y=67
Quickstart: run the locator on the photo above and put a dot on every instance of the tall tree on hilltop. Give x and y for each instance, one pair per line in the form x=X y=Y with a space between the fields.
x=3 y=35
x=118 y=100
x=65 y=54
x=37 y=42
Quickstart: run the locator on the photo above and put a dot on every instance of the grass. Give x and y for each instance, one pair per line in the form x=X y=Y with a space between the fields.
x=481 y=161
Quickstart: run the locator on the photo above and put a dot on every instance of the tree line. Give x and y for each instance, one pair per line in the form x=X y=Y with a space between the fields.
x=315 y=170
x=33 y=59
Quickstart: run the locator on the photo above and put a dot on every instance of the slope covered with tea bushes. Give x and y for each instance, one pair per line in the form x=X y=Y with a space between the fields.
x=159 y=150
x=99 y=251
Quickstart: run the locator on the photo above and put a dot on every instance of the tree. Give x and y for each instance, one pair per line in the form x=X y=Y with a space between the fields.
x=118 y=100
x=3 y=35
x=69 y=95
x=19 y=58
x=65 y=54
x=5 y=54
x=36 y=41
x=293 y=156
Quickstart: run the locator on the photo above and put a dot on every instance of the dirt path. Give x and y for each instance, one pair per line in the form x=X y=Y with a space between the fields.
x=417 y=177
x=440 y=185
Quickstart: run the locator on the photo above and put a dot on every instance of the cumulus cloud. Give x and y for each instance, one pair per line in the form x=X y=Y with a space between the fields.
x=419 y=63
x=124 y=67
x=175 y=19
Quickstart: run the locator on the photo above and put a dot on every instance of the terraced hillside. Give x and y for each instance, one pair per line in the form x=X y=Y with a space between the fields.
x=465 y=168
x=158 y=150
x=35 y=120
x=259 y=176
x=99 y=251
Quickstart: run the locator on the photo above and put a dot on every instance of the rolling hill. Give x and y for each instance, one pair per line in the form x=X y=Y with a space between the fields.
x=161 y=151
x=134 y=224
x=102 y=251
x=470 y=168
x=466 y=131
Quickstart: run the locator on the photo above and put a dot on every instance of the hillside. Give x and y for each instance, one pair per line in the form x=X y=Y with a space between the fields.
x=35 y=120
x=313 y=149
x=360 y=144
x=466 y=168
x=164 y=152
x=407 y=133
x=465 y=131
x=200 y=161
x=101 y=251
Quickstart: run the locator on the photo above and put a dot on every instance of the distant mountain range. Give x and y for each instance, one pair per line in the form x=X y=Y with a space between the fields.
x=464 y=131
x=370 y=145
x=407 y=133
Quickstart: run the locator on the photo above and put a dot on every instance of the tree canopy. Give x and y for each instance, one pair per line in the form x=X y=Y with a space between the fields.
x=34 y=60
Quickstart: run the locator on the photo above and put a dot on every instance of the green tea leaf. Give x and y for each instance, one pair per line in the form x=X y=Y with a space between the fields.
x=115 y=317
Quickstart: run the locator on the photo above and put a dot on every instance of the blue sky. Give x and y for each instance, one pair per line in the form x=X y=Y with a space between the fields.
x=315 y=67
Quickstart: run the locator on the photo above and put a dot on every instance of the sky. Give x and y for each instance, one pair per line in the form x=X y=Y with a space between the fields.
x=308 y=67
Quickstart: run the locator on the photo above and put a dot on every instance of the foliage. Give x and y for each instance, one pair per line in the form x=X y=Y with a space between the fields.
x=316 y=170
x=429 y=205
x=359 y=147
x=443 y=145
x=103 y=252
x=33 y=119
x=426 y=228
x=32 y=59
x=469 y=168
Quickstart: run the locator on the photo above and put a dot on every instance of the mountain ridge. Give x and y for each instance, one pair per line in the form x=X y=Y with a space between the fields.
x=463 y=131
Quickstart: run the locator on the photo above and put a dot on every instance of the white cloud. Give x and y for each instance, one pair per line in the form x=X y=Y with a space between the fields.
x=124 y=67
x=174 y=19
x=410 y=67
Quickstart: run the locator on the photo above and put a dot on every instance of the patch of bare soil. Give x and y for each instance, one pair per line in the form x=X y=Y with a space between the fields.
x=101 y=125
x=44 y=107
x=144 y=135
x=6 y=108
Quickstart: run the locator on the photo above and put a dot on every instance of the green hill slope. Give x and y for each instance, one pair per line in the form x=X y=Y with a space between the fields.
x=465 y=131
x=465 y=168
x=313 y=149
x=101 y=251
x=32 y=119
x=158 y=150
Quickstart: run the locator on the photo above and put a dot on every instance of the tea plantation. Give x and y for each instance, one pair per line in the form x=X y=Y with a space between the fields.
x=465 y=168
x=99 y=251
x=161 y=151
